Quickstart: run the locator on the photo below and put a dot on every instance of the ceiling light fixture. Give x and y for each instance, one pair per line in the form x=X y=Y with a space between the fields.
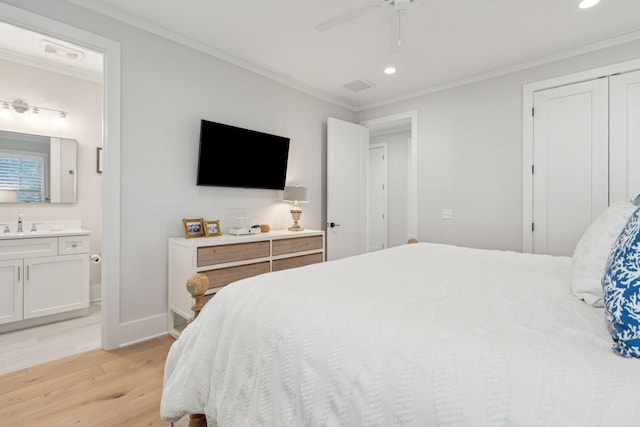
x=390 y=70
x=585 y=4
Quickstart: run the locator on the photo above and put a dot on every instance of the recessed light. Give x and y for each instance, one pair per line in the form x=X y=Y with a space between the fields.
x=585 y=4
x=390 y=70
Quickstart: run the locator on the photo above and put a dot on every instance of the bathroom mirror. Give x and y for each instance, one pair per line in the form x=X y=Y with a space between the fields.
x=37 y=169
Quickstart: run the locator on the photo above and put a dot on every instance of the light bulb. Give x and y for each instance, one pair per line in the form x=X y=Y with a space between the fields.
x=35 y=115
x=63 y=119
x=6 y=112
x=390 y=70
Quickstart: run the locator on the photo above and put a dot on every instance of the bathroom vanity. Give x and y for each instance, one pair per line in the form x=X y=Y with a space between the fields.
x=44 y=276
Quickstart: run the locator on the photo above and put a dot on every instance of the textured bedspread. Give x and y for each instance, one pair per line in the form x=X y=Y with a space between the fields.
x=417 y=335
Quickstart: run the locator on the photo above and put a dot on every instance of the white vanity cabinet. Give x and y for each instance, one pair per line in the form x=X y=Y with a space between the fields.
x=43 y=276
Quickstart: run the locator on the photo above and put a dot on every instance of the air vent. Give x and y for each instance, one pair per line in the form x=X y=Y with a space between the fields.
x=61 y=51
x=358 y=85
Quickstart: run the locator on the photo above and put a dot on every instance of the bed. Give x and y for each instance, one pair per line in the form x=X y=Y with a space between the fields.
x=416 y=335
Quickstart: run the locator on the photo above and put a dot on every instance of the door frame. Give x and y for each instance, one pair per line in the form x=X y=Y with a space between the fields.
x=412 y=170
x=112 y=331
x=527 y=132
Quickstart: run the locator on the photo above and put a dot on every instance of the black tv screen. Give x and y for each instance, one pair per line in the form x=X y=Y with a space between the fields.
x=235 y=157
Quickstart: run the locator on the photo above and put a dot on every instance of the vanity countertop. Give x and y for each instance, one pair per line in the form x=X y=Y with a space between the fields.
x=44 y=233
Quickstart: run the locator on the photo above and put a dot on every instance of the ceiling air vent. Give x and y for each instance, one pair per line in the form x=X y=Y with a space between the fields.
x=60 y=50
x=358 y=85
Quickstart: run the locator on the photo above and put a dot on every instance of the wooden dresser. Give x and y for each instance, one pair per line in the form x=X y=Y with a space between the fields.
x=225 y=259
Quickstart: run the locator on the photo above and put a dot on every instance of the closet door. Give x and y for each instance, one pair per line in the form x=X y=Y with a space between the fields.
x=570 y=153
x=624 y=134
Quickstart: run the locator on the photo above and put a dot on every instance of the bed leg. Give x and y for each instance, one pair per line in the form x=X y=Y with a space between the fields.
x=197 y=420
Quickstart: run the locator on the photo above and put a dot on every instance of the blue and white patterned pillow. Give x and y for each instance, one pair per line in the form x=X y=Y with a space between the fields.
x=621 y=289
x=636 y=201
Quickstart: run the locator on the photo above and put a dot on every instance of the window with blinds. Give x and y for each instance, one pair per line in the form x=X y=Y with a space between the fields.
x=23 y=173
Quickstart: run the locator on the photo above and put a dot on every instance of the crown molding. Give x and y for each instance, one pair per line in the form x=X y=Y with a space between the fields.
x=51 y=66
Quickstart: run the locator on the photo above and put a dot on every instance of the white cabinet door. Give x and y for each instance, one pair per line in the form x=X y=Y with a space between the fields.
x=55 y=284
x=624 y=105
x=570 y=152
x=10 y=291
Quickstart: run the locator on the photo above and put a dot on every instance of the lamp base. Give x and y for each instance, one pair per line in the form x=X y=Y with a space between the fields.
x=295 y=214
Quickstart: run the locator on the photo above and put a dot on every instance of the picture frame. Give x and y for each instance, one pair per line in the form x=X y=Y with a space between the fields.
x=193 y=227
x=212 y=228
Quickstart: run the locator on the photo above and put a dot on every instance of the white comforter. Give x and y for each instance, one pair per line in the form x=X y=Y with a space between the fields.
x=417 y=335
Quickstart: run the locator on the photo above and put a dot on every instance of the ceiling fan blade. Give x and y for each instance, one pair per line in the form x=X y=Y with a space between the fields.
x=350 y=15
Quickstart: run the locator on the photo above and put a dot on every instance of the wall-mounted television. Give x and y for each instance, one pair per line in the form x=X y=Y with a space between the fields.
x=231 y=156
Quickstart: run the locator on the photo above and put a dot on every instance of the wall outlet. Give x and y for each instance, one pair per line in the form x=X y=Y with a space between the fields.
x=447 y=213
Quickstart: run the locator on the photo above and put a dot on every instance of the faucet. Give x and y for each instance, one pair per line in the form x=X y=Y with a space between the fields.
x=6 y=228
x=20 y=216
x=33 y=227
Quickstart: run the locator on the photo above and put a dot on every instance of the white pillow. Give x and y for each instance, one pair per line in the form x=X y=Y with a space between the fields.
x=592 y=251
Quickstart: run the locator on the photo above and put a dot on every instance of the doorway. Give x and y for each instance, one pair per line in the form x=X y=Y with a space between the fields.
x=347 y=197
x=111 y=327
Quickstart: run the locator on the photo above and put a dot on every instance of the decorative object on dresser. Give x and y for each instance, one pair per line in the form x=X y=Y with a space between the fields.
x=212 y=228
x=296 y=195
x=230 y=258
x=193 y=227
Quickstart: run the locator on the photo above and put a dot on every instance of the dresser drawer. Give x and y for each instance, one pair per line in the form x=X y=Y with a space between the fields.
x=296 y=244
x=212 y=255
x=296 y=261
x=28 y=248
x=70 y=245
x=224 y=276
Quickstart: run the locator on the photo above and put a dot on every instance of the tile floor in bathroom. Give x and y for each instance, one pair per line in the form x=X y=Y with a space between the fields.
x=40 y=344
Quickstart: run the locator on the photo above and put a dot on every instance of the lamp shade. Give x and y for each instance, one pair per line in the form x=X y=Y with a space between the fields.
x=295 y=194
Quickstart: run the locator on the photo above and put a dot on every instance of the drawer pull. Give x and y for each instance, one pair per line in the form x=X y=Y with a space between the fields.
x=18 y=273
x=74 y=245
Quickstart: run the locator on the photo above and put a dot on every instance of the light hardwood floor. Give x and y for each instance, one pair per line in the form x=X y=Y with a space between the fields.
x=96 y=388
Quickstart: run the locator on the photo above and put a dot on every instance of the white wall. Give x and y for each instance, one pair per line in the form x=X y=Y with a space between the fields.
x=166 y=90
x=397 y=167
x=83 y=101
x=470 y=152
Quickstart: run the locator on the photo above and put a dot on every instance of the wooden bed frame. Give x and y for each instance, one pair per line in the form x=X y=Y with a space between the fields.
x=197 y=285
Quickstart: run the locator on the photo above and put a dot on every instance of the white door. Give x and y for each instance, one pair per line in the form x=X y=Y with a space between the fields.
x=570 y=159
x=347 y=156
x=378 y=199
x=624 y=134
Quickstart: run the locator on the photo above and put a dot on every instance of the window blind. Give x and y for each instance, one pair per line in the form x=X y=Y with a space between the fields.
x=23 y=173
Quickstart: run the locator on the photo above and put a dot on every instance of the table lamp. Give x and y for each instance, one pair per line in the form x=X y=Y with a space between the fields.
x=296 y=195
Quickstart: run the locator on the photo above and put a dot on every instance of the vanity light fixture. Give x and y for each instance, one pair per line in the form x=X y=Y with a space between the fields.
x=585 y=4
x=20 y=106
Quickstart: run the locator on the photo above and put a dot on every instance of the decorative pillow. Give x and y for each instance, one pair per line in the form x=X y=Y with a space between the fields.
x=636 y=201
x=593 y=248
x=621 y=287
